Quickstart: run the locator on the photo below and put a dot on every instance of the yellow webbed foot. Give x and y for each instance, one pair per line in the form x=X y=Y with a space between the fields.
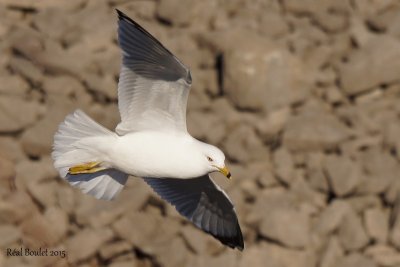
x=89 y=167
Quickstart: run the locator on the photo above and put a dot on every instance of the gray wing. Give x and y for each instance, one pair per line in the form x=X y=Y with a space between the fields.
x=202 y=202
x=153 y=85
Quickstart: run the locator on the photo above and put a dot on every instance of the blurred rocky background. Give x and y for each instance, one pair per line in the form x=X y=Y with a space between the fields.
x=303 y=97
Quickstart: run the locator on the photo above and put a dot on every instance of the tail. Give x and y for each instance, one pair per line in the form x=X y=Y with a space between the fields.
x=79 y=140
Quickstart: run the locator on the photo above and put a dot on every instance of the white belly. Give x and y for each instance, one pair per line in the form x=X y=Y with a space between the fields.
x=154 y=154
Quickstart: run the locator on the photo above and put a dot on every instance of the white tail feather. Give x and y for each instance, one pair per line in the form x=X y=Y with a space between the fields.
x=80 y=139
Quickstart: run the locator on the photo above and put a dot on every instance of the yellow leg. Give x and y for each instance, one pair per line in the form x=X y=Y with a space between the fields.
x=89 y=167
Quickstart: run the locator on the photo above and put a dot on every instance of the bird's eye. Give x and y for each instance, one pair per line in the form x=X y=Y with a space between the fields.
x=209 y=159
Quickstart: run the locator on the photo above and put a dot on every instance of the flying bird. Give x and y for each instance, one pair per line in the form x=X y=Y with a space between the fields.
x=151 y=141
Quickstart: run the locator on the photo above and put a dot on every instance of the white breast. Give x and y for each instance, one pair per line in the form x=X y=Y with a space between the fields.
x=158 y=154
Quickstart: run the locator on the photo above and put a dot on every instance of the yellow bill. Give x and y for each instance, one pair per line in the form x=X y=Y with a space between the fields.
x=225 y=172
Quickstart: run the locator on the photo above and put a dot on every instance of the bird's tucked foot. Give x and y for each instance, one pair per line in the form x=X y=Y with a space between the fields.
x=89 y=167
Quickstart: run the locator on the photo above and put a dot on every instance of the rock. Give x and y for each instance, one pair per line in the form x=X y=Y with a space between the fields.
x=284 y=257
x=110 y=250
x=359 y=203
x=39 y=232
x=43 y=193
x=256 y=256
x=277 y=78
x=377 y=224
x=35 y=171
x=332 y=253
x=383 y=255
x=321 y=11
x=11 y=149
x=279 y=226
x=283 y=165
x=380 y=170
x=148 y=230
x=17 y=114
x=16 y=208
x=270 y=126
x=9 y=235
x=59 y=220
x=314 y=172
x=7 y=175
x=27 y=70
x=85 y=243
x=199 y=242
x=221 y=259
x=206 y=126
x=356 y=259
x=394 y=234
x=62 y=85
x=351 y=232
x=343 y=173
x=163 y=253
x=390 y=137
x=38 y=140
x=369 y=66
x=243 y=145
x=182 y=14
x=104 y=86
x=123 y=264
x=313 y=130
x=13 y=85
x=331 y=217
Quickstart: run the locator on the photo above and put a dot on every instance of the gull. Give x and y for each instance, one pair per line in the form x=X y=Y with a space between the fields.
x=151 y=141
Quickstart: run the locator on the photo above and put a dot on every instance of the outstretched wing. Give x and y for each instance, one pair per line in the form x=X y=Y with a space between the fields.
x=205 y=204
x=153 y=85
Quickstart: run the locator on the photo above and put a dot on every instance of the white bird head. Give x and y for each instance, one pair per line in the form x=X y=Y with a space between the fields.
x=215 y=159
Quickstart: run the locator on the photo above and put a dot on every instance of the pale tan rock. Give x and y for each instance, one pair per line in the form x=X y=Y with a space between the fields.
x=332 y=253
x=13 y=85
x=123 y=264
x=270 y=70
x=148 y=230
x=380 y=170
x=356 y=259
x=363 y=202
x=38 y=140
x=221 y=259
x=369 y=67
x=43 y=193
x=256 y=256
x=9 y=235
x=38 y=231
x=287 y=257
x=25 y=113
x=27 y=69
x=283 y=165
x=59 y=220
x=84 y=244
x=242 y=144
x=313 y=130
x=377 y=224
x=7 y=175
x=16 y=208
x=10 y=149
x=343 y=173
x=163 y=253
x=110 y=250
x=351 y=232
x=383 y=255
x=104 y=86
x=35 y=171
x=198 y=241
x=279 y=225
x=331 y=217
